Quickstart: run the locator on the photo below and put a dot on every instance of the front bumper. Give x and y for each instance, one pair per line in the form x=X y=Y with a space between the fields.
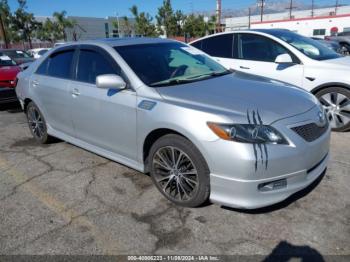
x=7 y=95
x=238 y=170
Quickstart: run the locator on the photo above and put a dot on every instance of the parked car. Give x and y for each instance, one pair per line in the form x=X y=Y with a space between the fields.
x=19 y=56
x=38 y=52
x=334 y=45
x=200 y=130
x=286 y=56
x=8 y=74
x=343 y=39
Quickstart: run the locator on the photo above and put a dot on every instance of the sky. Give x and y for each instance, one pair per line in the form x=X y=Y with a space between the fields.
x=104 y=8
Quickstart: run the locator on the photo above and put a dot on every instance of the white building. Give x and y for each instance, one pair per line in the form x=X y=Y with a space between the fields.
x=323 y=22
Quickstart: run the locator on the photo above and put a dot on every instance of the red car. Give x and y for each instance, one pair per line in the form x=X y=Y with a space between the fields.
x=8 y=74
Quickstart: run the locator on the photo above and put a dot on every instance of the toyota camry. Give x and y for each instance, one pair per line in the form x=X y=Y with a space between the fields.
x=164 y=108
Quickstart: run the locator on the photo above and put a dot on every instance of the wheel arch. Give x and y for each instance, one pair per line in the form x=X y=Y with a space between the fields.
x=327 y=85
x=152 y=137
x=26 y=103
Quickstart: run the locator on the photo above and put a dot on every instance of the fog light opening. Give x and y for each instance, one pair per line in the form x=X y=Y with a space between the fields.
x=274 y=185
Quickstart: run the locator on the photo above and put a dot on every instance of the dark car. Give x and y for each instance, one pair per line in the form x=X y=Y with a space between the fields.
x=19 y=56
x=8 y=79
x=334 y=45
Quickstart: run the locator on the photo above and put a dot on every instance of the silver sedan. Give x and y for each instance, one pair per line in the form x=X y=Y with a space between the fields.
x=167 y=109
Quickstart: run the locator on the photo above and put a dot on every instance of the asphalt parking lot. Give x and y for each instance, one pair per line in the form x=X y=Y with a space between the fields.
x=60 y=199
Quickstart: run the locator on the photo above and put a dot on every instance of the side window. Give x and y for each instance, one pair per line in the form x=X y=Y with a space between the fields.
x=60 y=64
x=259 y=48
x=219 y=46
x=42 y=69
x=92 y=64
x=198 y=45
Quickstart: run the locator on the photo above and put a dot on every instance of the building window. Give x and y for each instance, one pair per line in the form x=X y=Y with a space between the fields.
x=319 y=31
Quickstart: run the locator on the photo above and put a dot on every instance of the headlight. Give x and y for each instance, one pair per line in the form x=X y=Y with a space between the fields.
x=248 y=133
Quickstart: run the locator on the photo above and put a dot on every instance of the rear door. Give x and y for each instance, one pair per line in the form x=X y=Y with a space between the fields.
x=50 y=87
x=256 y=54
x=103 y=118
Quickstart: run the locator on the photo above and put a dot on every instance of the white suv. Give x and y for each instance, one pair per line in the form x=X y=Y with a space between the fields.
x=286 y=56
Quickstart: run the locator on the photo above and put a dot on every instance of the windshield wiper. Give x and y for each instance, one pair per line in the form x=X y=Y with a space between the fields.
x=212 y=74
x=171 y=82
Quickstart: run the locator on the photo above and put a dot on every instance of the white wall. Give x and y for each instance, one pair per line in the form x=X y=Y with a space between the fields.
x=307 y=27
x=304 y=27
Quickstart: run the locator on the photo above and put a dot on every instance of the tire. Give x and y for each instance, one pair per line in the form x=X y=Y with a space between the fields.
x=344 y=49
x=37 y=124
x=176 y=179
x=336 y=101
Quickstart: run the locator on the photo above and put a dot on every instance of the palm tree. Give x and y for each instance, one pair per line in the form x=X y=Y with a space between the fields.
x=63 y=23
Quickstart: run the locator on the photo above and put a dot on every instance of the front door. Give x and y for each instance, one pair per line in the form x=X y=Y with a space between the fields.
x=256 y=55
x=101 y=117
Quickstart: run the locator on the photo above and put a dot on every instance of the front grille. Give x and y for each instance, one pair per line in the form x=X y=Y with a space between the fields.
x=310 y=132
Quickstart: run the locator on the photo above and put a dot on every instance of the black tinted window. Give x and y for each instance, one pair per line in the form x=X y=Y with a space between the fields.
x=259 y=48
x=218 y=46
x=92 y=64
x=60 y=64
x=198 y=44
x=42 y=69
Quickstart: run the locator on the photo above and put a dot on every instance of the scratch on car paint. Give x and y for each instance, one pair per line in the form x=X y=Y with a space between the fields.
x=255 y=119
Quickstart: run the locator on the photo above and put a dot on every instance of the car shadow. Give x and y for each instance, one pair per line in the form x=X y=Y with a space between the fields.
x=11 y=108
x=285 y=251
x=290 y=200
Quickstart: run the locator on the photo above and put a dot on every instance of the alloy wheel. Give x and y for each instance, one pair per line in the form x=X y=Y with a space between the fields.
x=175 y=173
x=36 y=123
x=337 y=108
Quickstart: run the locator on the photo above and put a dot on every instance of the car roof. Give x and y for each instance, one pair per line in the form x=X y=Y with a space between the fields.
x=125 y=41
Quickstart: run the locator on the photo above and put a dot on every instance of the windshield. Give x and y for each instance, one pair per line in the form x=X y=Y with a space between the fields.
x=165 y=64
x=6 y=61
x=309 y=47
x=17 y=54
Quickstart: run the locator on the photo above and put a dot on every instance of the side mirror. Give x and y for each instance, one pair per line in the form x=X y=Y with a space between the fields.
x=110 y=81
x=284 y=59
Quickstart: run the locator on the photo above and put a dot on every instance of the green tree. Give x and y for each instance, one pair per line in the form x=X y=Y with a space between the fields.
x=166 y=22
x=5 y=22
x=143 y=23
x=63 y=23
x=195 y=26
x=25 y=23
x=48 y=31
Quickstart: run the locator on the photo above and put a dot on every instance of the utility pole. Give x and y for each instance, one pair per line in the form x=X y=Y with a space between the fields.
x=261 y=5
x=336 y=7
x=218 y=15
x=2 y=26
x=312 y=8
x=290 y=8
x=249 y=17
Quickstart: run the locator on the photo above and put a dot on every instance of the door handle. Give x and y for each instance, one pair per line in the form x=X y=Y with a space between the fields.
x=35 y=83
x=244 y=67
x=75 y=92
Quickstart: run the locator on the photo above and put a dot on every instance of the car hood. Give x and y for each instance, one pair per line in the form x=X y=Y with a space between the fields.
x=240 y=93
x=342 y=62
x=9 y=72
